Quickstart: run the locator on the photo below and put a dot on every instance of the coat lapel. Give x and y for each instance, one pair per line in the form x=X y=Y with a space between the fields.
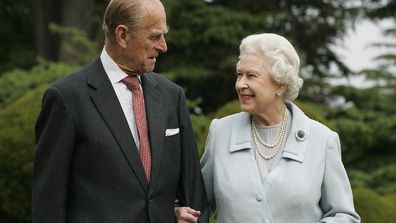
x=241 y=136
x=297 y=141
x=107 y=104
x=295 y=146
x=156 y=123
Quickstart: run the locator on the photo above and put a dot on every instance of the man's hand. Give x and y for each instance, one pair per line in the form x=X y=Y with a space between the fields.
x=186 y=215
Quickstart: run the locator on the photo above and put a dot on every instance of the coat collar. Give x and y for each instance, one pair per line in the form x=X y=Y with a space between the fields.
x=296 y=142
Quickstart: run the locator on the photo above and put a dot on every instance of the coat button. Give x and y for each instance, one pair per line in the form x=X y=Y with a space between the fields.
x=259 y=197
x=266 y=221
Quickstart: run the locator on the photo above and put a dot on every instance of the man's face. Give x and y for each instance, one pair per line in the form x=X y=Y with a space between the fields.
x=144 y=46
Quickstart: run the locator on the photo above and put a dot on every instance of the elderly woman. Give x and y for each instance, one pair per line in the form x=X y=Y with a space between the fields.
x=270 y=162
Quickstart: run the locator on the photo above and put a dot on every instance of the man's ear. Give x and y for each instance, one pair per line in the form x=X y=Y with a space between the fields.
x=122 y=36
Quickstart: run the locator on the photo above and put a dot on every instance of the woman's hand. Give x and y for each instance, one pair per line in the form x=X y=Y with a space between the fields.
x=186 y=215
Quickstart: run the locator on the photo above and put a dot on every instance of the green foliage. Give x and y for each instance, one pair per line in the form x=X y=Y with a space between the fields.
x=385 y=75
x=212 y=220
x=16 y=152
x=204 y=40
x=17 y=82
x=315 y=112
x=77 y=43
x=374 y=208
x=207 y=39
x=229 y=108
x=381 y=9
x=365 y=126
x=17 y=47
x=381 y=179
x=200 y=124
x=356 y=137
x=20 y=100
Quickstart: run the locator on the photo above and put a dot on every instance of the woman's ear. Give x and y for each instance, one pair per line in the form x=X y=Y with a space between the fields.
x=122 y=36
x=282 y=88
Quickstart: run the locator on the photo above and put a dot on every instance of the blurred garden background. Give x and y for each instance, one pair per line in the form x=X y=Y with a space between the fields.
x=43 y=40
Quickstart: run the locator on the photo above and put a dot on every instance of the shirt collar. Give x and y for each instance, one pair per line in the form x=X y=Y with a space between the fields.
x=113 y=71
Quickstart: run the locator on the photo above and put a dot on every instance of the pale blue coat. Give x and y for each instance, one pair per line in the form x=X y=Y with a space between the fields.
x=308 y=185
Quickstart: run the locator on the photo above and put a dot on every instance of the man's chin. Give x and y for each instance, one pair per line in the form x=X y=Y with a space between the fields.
x=148 y=69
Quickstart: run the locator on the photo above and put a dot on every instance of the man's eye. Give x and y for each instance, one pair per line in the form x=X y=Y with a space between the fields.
x=155 y=37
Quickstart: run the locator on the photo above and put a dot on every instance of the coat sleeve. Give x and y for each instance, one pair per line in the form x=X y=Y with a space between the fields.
x=207 y=166
x=337 y=199
x=191 y=186
x=55 y=134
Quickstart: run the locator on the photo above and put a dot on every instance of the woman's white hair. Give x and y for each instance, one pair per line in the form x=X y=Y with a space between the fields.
x=280 y=55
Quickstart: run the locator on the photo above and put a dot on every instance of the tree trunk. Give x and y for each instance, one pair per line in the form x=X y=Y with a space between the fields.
x=43 y=13
x=70 y=13
x=77 y=14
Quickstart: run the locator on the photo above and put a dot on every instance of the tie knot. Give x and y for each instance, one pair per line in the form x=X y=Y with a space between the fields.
x=132 y=82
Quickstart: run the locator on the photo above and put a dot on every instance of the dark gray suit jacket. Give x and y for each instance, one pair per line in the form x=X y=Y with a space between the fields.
x=87 y=167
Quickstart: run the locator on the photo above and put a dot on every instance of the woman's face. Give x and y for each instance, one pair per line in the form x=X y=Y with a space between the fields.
x=255 y=87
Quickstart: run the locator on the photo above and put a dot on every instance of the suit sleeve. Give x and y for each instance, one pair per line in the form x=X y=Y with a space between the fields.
x=55 y=134
x=191 y=186
x=337 y=198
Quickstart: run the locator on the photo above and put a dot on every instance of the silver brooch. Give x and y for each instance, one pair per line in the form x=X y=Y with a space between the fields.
x=300 y=135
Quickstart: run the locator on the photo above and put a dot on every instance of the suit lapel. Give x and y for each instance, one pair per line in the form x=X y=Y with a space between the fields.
x=156 y=123
x=107 y=104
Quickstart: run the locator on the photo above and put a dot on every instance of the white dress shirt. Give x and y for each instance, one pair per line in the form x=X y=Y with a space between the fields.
x=124 y=95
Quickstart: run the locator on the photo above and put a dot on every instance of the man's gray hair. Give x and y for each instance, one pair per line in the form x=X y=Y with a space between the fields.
x=126 y=12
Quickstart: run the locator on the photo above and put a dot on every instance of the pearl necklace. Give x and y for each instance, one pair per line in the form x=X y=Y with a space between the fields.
x=273 y=149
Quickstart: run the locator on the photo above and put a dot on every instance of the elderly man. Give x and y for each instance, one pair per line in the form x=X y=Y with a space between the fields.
x=114 y=141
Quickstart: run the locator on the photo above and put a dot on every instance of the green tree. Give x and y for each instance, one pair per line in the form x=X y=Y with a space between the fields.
x=206 y=35
x=17 y=48
x=374 y=208
x=16 y=152
x=20 y=100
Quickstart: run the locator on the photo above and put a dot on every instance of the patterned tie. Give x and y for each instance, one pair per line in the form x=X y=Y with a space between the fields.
x=132 y=82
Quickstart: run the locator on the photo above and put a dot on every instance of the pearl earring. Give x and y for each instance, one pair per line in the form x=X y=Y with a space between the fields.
x=278 y=93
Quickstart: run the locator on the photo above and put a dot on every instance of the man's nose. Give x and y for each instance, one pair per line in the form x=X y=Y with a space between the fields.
x=162 y=47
